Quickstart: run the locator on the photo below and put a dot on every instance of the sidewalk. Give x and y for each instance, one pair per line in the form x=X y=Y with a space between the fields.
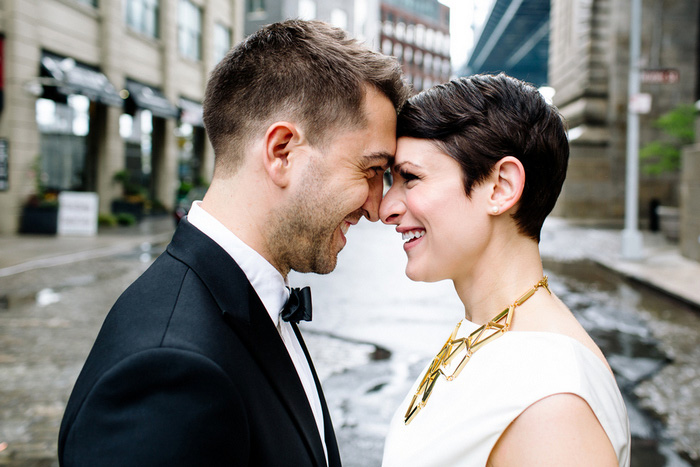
x=20 y=253
x=662 y=267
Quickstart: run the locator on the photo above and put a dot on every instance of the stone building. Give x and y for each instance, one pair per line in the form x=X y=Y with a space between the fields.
x=588 y=67
x=97 y=88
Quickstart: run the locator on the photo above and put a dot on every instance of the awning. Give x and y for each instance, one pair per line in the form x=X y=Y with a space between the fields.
x=191 y=112
x=152 y=99
x=72 y=77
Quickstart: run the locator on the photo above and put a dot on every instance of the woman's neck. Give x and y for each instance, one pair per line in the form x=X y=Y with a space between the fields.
x=504 y=272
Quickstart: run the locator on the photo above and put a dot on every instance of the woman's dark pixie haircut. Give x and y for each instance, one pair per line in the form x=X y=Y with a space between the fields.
x=307 y=71
x=481 y=119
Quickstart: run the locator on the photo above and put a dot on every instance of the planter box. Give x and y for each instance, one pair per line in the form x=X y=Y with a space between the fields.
x=135 y=209
x=39 y=219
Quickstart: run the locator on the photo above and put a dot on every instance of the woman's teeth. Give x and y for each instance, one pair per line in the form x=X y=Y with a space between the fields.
x=412 y=234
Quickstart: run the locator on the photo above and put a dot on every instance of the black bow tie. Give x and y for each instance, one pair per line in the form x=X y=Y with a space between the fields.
x=298 y=307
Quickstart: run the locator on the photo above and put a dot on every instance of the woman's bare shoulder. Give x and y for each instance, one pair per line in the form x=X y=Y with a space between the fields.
x=559 y=430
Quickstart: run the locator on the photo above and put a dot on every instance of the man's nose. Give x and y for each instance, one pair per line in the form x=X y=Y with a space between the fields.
x=374 y=198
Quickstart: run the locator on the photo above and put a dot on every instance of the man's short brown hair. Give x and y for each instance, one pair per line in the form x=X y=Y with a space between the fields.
x=307 y=71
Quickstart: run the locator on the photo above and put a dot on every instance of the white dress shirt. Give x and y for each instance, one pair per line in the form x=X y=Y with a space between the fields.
x=272 y=290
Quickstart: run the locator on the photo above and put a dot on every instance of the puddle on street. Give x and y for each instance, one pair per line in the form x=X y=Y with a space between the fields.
x=606 y=305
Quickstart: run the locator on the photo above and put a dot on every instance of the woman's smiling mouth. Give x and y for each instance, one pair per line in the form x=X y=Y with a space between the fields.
x=412 y=235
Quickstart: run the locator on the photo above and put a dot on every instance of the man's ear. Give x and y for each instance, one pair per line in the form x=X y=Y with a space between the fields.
x=508 y=178
x=281 y=141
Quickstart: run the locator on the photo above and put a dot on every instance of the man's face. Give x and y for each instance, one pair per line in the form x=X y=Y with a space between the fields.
x=342 y=182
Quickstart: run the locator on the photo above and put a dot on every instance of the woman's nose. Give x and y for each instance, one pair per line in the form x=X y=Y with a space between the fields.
x=392 y=207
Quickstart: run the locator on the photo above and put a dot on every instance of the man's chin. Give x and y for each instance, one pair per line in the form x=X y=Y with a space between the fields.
x=323 y=265
x=326 y=266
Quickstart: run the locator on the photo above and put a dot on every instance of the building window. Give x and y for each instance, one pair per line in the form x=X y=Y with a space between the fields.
x=256 y=6
x=401 y=31
x=63 y=129
x=142 y=16
x=420 y=35
x=429 y=39
x=387 y=47
x=137 y=133
x=222 y=41
x=418 y=57
x=408 y=55
x=411 y=34
x=189 y=30
x=388 y=28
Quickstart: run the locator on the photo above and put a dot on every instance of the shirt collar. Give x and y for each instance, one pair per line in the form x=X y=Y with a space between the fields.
x=267 y=281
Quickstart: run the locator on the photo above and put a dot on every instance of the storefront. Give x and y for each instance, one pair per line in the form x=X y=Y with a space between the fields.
x=191 y=140
x=142 y=127
x=67 y=113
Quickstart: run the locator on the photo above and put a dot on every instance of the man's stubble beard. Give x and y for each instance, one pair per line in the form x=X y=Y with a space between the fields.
x=302 y=234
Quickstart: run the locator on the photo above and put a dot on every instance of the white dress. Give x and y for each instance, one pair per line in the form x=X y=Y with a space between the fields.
x=464 y=418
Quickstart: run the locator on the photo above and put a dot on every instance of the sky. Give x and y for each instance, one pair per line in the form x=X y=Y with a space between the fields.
x=462 y=14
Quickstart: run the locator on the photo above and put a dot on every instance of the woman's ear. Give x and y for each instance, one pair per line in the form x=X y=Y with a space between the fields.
x=508 y=178
x=280 y=143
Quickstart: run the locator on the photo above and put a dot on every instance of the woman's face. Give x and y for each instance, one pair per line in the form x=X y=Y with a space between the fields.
x=445 y=232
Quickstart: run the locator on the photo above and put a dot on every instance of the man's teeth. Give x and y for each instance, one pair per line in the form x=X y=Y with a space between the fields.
x=410 y=235
x=344 y=227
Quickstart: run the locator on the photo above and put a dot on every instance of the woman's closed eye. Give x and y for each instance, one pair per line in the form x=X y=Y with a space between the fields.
x=407 y=176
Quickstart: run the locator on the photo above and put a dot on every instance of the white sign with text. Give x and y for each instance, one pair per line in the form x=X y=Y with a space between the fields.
x=77 y=213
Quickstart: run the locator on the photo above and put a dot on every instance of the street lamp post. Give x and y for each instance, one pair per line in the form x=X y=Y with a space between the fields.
x=631 y=236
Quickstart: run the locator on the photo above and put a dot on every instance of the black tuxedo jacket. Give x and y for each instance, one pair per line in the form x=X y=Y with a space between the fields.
x=188 y=369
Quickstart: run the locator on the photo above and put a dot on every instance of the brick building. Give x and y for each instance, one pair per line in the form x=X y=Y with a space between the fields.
x=417 y=32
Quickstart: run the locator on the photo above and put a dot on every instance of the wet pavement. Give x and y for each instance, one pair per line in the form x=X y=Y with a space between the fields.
x=373 y=330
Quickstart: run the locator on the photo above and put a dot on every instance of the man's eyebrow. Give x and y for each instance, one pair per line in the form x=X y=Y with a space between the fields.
x=381 y=158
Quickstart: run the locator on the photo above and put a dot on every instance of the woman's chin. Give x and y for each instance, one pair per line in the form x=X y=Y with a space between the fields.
x=420 y=275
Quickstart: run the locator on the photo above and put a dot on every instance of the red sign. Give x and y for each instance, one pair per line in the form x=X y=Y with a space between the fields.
x=661 y=76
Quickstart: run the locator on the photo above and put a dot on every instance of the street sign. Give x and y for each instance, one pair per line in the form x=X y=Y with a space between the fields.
x=640 y=103
x=661 y=76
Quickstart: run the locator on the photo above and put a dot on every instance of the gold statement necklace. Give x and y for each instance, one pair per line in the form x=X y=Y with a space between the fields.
x=477 y=339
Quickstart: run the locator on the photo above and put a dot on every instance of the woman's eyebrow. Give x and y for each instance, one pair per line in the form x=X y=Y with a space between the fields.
x=398 y=166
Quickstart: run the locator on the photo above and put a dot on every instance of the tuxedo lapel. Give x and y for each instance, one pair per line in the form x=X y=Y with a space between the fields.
x=331 y=442
x=245 y=314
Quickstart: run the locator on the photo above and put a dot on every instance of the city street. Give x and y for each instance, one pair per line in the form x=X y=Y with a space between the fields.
x=372 y=333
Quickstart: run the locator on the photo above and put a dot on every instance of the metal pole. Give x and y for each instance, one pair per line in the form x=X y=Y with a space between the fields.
x=631 y=236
